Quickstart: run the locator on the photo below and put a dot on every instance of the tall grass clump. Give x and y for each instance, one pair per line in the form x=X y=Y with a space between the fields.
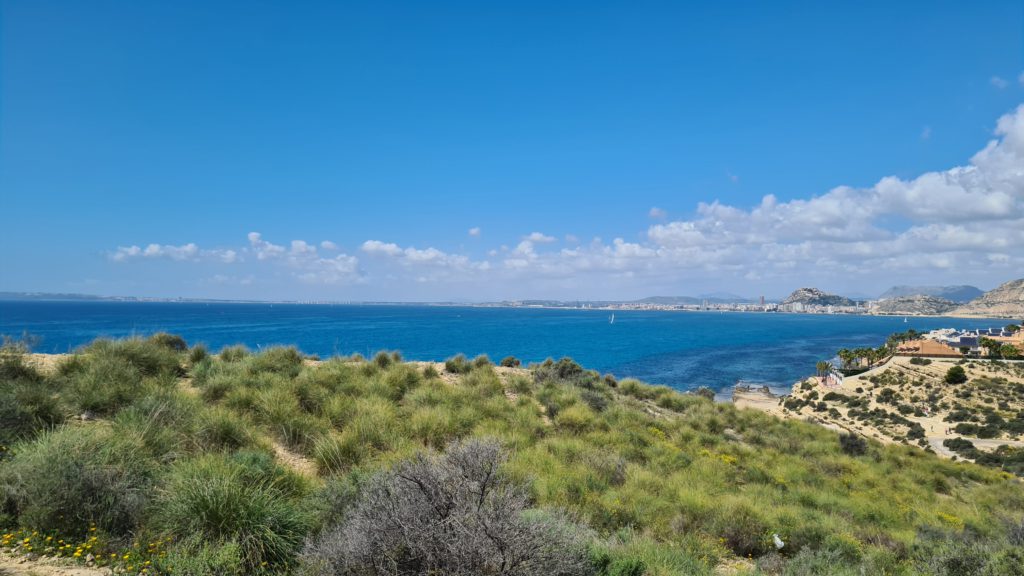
x=103 y=383
x=284 y=360
x=197 y=354
x=212 y=499
x=235 y=353
x=149 y=357
x=28 y=400
x=458 y=364
x=73 y=477
x=172 y=342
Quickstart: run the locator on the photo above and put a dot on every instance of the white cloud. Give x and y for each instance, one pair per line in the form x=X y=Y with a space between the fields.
x=264 y=250
x=301 y=247
x=539 y=238
x=474 y=232
x=328 y=245
x=377 y=247
x=184 y=252
x=998 y=82
x=962 y=224
x=657 y=213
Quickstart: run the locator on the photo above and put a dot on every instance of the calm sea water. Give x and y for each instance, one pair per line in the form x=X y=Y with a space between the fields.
x=680 y=349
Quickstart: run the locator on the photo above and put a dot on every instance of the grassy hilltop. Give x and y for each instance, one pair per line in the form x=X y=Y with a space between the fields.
x=146 y=456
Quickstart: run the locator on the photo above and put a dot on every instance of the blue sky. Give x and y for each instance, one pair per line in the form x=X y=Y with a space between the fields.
x=143 y=144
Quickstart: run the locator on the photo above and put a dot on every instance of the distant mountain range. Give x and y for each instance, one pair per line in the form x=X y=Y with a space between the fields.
x=714 y=298
x=915 y=305
x=952 y=293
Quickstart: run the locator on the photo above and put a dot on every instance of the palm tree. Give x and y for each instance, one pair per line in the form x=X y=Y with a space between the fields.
x=846 y=356
x=822 y=367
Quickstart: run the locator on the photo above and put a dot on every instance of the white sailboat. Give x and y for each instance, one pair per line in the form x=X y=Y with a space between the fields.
x=612 y=319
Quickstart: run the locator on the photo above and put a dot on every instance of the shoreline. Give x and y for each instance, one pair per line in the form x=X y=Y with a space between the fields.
x=624 y=307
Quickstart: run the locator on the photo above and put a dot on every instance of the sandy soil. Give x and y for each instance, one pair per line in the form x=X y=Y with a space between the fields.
x=936 y=430
x=46 y=363
x=20 y=566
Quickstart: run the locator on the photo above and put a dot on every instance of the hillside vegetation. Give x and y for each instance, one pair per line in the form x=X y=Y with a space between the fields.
x=1004 y=301
x=151 y=457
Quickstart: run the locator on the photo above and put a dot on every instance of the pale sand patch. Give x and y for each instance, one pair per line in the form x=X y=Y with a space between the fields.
x=46 y=363
x=44 y=566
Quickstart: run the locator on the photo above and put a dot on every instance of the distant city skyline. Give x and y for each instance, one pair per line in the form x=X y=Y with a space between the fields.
x=465 y=152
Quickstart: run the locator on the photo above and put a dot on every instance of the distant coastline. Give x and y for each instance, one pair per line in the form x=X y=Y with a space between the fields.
x=705 y=305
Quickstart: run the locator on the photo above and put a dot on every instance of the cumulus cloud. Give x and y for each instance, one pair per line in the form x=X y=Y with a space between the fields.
x=539 y=238
x=968 y=218
x=180 y=253
x=377 y=247
x=424 y=259
x=264 y=250
x=474 y=232
x=301 y=259
x=967 y=221
x=657 y=213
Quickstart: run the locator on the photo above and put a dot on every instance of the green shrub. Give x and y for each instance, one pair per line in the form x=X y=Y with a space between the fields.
x=194 y=557
x=482 y=361
x=197 y=354
x=853 y=444
x=235 y=353
x=383 y=360
x=147 y=356
x=333 y=454
x=13 y=365
x=172 y=342
x=284 y=360
x=956 y=375
x=105 y=383
x=221 y=429
x=164 y=421
x=212 y=500
x=28 y=402
x=429 y=372
x=72 y=477
x=458 y=365
x=510 y=362
x=576 y=419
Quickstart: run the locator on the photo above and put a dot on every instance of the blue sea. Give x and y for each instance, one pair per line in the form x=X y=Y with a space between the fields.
x=684 y=350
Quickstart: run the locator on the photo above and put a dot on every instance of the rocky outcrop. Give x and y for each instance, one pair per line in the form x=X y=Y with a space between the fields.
x=815 y=297
x=961 y=294
x=1006 y=301
x=915 y=306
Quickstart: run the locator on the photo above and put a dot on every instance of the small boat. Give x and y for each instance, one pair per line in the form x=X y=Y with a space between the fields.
x=612 y=319
x=904 y=319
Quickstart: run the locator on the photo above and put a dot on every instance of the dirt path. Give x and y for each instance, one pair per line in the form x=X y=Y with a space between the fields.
x=294 y=460
x=19 y=566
